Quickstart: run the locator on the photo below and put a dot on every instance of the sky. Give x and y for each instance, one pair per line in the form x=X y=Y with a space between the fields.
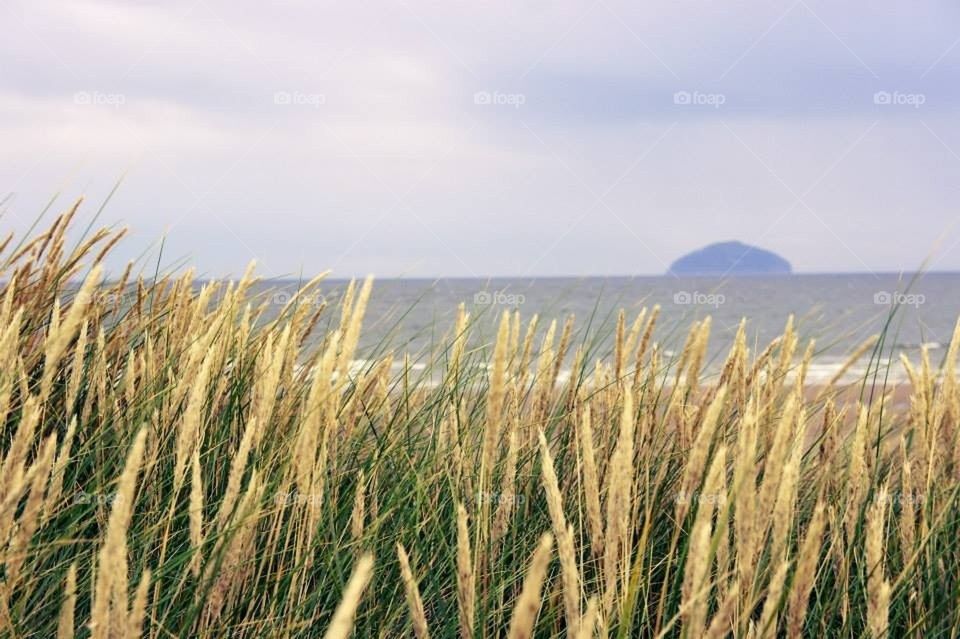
x=472 y=139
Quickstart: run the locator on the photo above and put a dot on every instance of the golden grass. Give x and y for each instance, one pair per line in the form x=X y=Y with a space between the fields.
x=177 y=460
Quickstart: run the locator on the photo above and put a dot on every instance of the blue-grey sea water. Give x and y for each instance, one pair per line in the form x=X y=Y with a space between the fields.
x=838 y=311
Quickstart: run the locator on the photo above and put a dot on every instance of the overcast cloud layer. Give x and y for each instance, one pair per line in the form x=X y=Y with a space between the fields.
x=491 y=138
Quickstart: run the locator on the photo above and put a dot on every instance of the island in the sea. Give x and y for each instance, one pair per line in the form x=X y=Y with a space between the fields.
x=730 y=259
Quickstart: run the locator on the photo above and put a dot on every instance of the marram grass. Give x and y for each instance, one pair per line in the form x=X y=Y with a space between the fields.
x=176 y=464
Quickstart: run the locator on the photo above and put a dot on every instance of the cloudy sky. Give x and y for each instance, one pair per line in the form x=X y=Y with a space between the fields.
x=523 y=137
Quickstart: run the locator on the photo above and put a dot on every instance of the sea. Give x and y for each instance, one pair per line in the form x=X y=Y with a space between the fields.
x=838 y=311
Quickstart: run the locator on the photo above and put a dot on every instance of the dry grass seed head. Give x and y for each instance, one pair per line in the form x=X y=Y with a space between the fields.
x=342 y=623
x=466 y=584
x=527 y=607
x=417 y=615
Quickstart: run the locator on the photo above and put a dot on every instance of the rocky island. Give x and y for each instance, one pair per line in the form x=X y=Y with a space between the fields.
x=730 y=258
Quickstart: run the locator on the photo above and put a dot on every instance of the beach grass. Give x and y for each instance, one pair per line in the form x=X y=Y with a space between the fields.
x=178 y=462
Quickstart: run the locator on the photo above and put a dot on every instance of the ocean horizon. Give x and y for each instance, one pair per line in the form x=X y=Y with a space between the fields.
x=839 y=311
